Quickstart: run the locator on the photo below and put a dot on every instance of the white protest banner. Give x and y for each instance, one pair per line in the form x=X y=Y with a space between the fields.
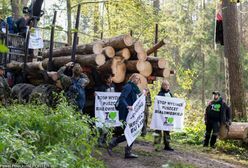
x=168 y=114
x=135 y=119
x=105 y=111
x=35 y=39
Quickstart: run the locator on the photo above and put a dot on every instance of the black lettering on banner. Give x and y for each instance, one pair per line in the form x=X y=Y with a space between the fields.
x=162 y=102
x=106 y=116
x=99 y=108
x=175 y=104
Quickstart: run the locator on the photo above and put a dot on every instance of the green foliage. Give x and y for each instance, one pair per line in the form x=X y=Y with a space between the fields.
x=3 y=49
x=233 y=147
x=194 y=126
x=38 y=135
x=185 y=78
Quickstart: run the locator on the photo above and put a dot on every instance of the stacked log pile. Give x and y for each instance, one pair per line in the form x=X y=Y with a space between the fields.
x=121 y=55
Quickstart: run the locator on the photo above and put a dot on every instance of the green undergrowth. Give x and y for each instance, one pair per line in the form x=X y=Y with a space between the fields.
x=171 y=164
x=55 y=137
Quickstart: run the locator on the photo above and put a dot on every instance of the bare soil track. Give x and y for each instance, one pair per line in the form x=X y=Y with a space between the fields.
x=181 y=157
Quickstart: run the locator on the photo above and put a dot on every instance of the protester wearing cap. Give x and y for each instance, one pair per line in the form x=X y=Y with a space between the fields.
x=217 y=113
x=4 y=87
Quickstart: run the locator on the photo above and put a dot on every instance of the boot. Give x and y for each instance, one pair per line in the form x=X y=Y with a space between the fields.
x=111 y=145
x=206 y=140
x=213 y=141
x=129 y=154
x=167 y=147
x=102 y=140
x=157 y=137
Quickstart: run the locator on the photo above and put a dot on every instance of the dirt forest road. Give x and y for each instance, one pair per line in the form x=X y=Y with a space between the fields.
x=148 y=158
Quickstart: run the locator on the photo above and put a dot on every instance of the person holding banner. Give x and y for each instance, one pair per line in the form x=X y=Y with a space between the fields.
x=217 y=113
x=106 y=86
x=107 y=83
x=129 y=95
x=165 y=91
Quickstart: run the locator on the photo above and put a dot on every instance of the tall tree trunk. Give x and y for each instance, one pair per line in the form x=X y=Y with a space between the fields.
x=24 y=3
x=232 y=53
x=17 y=6
x=241 y=23
x=227 y=83
x=69 y=35
x=15 y=9
x=221 y=70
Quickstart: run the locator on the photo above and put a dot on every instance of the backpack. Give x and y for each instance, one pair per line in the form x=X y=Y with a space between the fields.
x=76 y=93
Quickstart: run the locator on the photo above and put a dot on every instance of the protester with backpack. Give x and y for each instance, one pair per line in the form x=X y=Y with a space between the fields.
x=77 y=89
x=74 y=87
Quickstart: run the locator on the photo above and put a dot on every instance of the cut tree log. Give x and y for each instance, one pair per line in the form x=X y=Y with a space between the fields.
x=92 y=60
x=156 y=62
x=143 y=67
x=137 y=49
x=117 y=67
x=108 y=51
x=81 y=49
x=156 y=47
x=125 y=53
x=118 y=42
x=32 y=67
x=132 y=66
x=162 y=72
x=237 y=130
x=142 y=56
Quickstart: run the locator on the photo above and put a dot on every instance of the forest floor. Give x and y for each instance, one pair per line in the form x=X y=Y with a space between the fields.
x=184 y=156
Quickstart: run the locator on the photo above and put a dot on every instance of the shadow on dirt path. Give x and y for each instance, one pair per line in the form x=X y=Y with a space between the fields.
x=148 y=158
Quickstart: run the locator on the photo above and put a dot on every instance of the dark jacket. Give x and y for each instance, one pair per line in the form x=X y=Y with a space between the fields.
x=127 y=98
x=21 y=25
x=78 y=85
x=106 y=88
x=218 y=111
x=11 y=24
x=163 y=92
